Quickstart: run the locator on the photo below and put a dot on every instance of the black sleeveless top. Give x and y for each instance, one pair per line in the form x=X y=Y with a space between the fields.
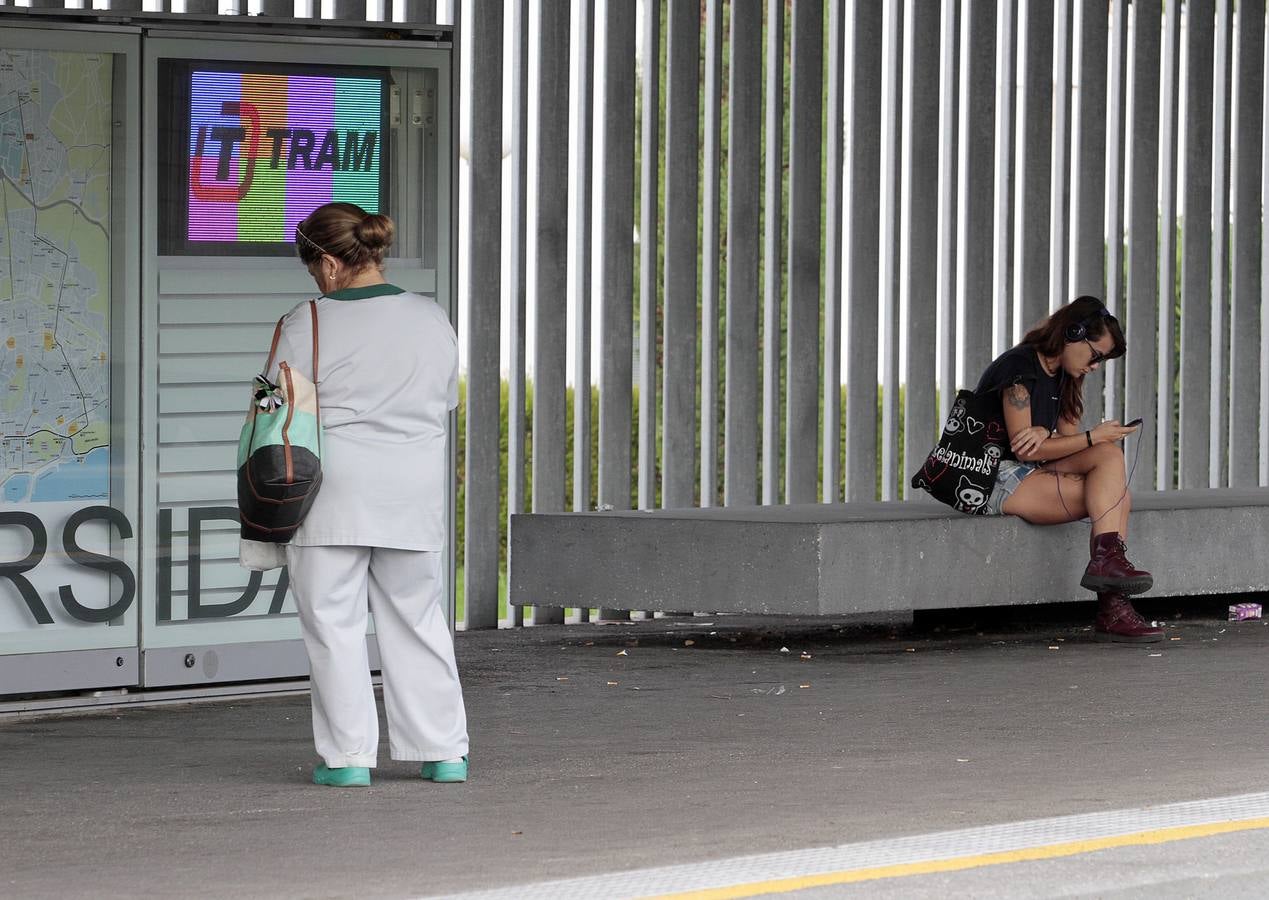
x=1021 y=365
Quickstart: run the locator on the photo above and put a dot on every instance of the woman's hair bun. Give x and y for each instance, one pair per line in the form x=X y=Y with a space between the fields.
x=375 y=232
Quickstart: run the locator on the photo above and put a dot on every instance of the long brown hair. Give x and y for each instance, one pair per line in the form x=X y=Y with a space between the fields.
x=347 y=232
x=1053 y=334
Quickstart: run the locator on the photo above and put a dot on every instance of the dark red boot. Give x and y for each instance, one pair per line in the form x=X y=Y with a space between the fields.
x=1118 y=621
x=1109 y=568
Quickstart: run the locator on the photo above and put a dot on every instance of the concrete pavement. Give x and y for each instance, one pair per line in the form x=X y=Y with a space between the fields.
x=601 y=748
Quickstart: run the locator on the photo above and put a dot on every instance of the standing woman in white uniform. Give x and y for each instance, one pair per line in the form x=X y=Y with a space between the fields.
x=388 y=362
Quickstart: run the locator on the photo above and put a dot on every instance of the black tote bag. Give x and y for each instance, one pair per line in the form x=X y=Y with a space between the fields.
x=961 y=469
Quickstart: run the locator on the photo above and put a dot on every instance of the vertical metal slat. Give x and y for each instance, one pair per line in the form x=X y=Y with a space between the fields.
x=709 y=252
x=518 y=274
x=650 y=69
x=1196 y=248
x=580 y=225
x=863 y=210
x=974 y=225
x=830 y=492
x=773 y=214
x=919 y=213
x=483 y=230
x=615 y=202
x=1088 y=183
x=1006 y=52
x=1059 y=264
x=678 y=433
x=550 y=294
x=744 y=150
x=803 y=358
x=1089 y=149
x=423 y=11
x=1032 y=212
x=1169 y=160
x=283 y=9
x=890 y=239
x=1113 y=205
x=1264 y=304
x=1222 y=97
x=949 y=119
x=354 y=10
x=580 y=248
x=1244 y=321
x=1141 y=317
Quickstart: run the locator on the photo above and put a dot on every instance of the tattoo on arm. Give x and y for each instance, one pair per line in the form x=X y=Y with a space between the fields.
x=1018 y=396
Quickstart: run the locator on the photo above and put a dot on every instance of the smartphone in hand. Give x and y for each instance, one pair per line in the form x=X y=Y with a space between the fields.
x=1133 y=424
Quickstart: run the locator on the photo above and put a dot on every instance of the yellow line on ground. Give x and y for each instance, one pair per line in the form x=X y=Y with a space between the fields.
x=1025 y=854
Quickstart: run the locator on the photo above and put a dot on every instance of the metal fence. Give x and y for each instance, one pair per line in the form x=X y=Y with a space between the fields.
x=907 y=186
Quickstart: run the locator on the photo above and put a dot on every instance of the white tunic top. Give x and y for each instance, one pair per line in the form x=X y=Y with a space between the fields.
x=388 y=364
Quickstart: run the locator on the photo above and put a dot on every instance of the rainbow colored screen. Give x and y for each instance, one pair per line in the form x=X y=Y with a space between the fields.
x=265 y=150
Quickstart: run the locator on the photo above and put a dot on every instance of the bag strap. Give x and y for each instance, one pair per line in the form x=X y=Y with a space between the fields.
x=317 y=400
x=277 y=334
x=312 y=309
x=273 y=347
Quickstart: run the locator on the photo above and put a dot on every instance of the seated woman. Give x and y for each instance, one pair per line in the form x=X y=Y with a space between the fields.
x=1054 y=471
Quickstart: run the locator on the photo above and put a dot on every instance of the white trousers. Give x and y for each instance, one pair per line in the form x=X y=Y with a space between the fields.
x=421 y=691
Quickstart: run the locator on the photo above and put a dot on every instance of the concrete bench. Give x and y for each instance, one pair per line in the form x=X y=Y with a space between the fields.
x=836 y=559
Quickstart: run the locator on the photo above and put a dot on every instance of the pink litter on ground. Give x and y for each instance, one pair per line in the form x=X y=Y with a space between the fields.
x=1239 y=612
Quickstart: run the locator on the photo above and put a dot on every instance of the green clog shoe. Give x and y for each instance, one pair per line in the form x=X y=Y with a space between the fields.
x=348 y=776
x=447 y=772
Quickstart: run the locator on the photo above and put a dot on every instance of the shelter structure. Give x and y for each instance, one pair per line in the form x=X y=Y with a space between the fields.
x=153 y=167
x=700 y=253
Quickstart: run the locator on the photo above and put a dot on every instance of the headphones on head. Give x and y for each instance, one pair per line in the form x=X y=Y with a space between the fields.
x=1078 y=331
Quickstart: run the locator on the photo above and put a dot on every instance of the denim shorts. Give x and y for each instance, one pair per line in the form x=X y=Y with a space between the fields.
x=1008 y=477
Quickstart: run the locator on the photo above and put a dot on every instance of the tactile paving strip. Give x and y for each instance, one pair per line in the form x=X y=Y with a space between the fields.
x=942 y=845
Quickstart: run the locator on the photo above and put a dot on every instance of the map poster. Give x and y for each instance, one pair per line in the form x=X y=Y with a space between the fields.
x=55 y=265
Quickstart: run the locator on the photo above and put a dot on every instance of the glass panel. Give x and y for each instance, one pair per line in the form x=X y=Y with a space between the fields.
x=64 y=584
x=210 y=317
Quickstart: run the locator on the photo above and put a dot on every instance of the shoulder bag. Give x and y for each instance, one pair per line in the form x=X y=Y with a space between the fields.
x=961 y=469
x=279 y=459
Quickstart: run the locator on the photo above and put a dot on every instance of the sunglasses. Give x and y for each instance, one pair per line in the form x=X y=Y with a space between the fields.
x=1098 y=356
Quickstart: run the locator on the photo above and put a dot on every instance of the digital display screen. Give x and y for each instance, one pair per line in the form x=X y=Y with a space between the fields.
x=253 y=149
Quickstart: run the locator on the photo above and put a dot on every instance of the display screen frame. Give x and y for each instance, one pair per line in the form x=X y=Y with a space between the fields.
x=175 y=113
